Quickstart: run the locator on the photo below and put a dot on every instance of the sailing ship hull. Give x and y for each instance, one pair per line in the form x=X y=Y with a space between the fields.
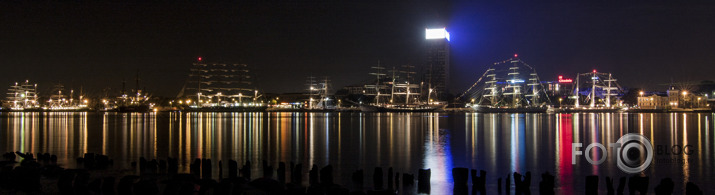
x=46 y=110
x=22 y=110
x=133 y=108
x=484 y=109
x=305 y=110
x=595 y=110
x=398 y=108
x=69 y=110
x=227 y=109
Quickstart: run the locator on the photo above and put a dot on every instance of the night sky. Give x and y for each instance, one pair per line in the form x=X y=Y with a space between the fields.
x=96 y=45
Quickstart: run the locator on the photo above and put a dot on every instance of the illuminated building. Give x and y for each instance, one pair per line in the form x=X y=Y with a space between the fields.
x=438 y=59
x=654 y=102
x=561 y=87
x=675 y=99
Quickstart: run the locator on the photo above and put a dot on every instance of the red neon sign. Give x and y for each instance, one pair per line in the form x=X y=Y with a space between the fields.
x=562 y=80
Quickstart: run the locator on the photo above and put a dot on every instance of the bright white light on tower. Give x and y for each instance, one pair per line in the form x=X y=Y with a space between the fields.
x=436 y=33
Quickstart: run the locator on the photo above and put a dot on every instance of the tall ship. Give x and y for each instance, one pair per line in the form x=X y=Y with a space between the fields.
x=397 y=93
x=62 y=100
x=22 y=97
x=596 y=92
x=508 y=86
x=135 y=101
x=220 y=87
x=318 y=91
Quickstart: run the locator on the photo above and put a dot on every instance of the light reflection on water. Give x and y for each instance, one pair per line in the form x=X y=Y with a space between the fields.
x=497 y=143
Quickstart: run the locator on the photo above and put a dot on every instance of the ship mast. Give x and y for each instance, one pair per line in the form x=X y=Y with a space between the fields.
x=593 y=89
x=408 y=72
x=534 y=83
x=607 y=87
x=394 y=79
x=310 y=82
x=608 y=90
x=512 y=84
x=136 y=89
x=377 y=85
x=324 y=97
x=198 y=93
x=492 y=88
x=578 y=76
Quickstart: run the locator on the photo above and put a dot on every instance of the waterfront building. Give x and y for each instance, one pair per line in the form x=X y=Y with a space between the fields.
x=288 y=100
x=560 y=87
x=653 y=102
x=674 y=99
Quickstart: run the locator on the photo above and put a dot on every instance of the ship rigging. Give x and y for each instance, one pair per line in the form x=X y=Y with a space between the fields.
x=508 y=85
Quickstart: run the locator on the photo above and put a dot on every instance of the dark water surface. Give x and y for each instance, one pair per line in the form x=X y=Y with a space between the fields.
x=497 y=143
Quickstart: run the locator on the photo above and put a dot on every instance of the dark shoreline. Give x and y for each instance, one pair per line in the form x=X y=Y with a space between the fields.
x=98 y=176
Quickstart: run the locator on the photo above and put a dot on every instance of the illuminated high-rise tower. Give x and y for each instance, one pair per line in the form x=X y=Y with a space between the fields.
x=438 y=60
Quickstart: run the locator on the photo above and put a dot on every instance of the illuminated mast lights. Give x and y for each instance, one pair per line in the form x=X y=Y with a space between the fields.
x=378 y=85
x=503 y=86
x=198 y=95
x=594 y=78
x=608 y=89
x=534 y=84
x=513 y=83
x=23 y=95
x=608 y=86
x=492 y=93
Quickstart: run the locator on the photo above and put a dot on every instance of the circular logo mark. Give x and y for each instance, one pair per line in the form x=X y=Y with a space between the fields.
x=631 y=153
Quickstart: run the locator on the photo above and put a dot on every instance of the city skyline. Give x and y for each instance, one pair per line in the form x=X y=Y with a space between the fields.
x=95 y=45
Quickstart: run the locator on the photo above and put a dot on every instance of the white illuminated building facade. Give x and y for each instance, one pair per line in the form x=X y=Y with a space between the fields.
x=674 y=99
